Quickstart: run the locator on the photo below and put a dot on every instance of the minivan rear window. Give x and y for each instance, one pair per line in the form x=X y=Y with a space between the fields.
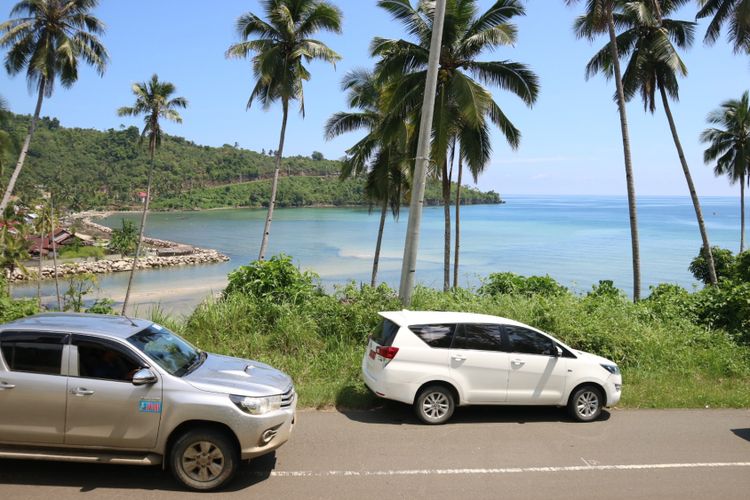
x=385 y=333
x=439 y=336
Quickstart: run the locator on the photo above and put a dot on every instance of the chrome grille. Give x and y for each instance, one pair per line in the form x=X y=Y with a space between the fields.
x=288 y=398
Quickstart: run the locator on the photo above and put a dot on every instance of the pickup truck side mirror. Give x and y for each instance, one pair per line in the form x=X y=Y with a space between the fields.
x=144 y=376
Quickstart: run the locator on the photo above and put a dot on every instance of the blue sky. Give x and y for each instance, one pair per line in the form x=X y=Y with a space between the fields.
x=571 y=139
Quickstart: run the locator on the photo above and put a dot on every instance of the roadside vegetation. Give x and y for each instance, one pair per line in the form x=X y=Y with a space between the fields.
x=676 y=349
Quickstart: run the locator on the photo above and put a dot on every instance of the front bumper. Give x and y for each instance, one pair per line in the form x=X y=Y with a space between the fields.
x=267 y=432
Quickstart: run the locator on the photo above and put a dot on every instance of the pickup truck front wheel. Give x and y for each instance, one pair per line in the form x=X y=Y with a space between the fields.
x=203 y=459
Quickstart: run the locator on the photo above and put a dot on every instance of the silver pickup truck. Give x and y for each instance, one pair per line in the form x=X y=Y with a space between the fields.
x=107 y=389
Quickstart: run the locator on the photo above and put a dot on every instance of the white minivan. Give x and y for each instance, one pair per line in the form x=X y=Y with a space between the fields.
x=436 y=361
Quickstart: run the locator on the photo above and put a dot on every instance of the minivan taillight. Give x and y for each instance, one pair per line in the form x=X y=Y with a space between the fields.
x=387 y=352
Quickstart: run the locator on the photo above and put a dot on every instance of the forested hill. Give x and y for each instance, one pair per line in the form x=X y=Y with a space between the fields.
x=92 y=169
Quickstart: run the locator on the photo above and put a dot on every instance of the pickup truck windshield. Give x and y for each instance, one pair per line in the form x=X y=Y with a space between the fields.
x=167 y=350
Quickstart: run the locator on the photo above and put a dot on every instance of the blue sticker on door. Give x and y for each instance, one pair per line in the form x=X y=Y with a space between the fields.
x=149 y=406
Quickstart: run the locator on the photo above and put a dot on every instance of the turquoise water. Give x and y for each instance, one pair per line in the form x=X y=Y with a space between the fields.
x=578 y=240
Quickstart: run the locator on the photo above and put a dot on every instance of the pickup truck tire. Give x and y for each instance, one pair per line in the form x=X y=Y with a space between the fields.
x=203 y=459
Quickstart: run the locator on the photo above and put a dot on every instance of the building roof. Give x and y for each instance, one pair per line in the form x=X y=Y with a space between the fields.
x=114 y=326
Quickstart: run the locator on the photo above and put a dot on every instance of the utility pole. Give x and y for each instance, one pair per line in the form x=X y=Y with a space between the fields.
x=411 y=246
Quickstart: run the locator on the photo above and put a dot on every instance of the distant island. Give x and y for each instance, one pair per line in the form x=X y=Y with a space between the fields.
x=89 y=169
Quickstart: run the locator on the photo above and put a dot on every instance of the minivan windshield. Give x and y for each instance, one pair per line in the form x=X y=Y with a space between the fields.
x=167 y=350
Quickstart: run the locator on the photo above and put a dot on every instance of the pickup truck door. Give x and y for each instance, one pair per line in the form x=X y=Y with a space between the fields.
x=32 y=387
x=104 y=407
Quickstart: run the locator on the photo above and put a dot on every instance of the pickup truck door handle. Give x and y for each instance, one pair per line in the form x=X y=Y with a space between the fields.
x=81 y=391
x=5 y=385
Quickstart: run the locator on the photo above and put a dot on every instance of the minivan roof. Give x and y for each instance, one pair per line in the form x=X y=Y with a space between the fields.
x=406 y=317
x=115 y=326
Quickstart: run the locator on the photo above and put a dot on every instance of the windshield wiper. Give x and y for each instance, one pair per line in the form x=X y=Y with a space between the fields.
x=197 y=362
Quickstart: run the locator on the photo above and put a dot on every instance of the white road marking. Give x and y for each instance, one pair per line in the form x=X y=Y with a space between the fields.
x=505 y=470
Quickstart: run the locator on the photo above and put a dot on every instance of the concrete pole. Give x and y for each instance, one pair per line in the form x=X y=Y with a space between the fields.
x=411 y=246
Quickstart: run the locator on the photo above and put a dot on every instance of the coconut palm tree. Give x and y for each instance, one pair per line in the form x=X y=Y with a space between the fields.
x=381 y=156
x=154 y=101
x=600 y=19
x=47 y=38
x=650 y=43
x=6 y=142
x=279 y=45
x=463 y=107
x=45 y=224
x=732 y=14
x=14 y=250
x=729 y=147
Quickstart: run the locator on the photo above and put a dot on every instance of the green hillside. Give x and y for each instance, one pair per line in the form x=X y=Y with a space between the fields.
x=92 y=169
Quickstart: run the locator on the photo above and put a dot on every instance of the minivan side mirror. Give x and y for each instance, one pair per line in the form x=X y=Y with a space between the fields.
x=144 y=376
x=556 y=351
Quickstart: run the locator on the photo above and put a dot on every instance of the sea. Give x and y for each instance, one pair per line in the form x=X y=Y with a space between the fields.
x=577 y=240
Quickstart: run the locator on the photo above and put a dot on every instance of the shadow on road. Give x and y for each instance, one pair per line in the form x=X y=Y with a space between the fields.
x=94 y=477
x=742 y=433
x=401 y=414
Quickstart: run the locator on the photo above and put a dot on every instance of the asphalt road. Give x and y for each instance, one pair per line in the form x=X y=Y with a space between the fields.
x=483 y=453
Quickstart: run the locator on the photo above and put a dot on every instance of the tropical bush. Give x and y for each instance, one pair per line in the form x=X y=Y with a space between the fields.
x=125 y=239
x=510 y=283
x=277 y=280
x=11 y=309
x=724 y=262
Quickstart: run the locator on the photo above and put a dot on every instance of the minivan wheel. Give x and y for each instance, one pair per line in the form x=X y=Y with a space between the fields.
x=203 y=459
x=434 y=405
x=585 y=405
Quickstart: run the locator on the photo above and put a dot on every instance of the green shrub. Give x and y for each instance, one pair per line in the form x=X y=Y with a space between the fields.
x=125 y=239
x=741 y=271
x=277 y=279
x=510 y=283
x=71 y=252
x=726 y=306
x=724 y=262
x=11 y=309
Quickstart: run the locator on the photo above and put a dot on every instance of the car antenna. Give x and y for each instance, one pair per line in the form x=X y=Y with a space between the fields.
x=126 y=317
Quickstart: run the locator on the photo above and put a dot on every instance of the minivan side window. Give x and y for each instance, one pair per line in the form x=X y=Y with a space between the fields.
x=104 y=360
x=33 y=352
x=439 y=336
x=525 y=341
x=481 y=337
x=384 y=333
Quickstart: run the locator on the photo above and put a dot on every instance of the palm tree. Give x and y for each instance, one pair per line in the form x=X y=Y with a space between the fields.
x=283 y=43
x=463 y=105
x=381 y=155
x=5 y=138
x=729 y=147
x=153 y=100
x=45 y=225
x=47 y=38
x=735 y=14
x=649 y=41
x=599 y=18
x=14 y=250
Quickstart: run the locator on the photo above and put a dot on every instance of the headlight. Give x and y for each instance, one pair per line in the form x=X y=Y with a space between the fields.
x=613 y=369
x=257 y=406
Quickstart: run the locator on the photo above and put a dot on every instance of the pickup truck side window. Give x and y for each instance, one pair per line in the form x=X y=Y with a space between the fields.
x=104 y=360
x=33 y=352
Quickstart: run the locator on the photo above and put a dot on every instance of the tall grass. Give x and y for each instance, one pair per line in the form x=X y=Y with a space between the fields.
x=667 y=360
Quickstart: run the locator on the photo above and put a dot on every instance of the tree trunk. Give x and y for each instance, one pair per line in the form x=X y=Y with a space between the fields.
x=632 y=209
x=54 y=253
x=457 y=249
x=447 y=216
x=39 y=277
x=691 y=187
x=24 y=149
x=376 y=260
x=742 y=212
x=274 y=184
x=140 y=234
